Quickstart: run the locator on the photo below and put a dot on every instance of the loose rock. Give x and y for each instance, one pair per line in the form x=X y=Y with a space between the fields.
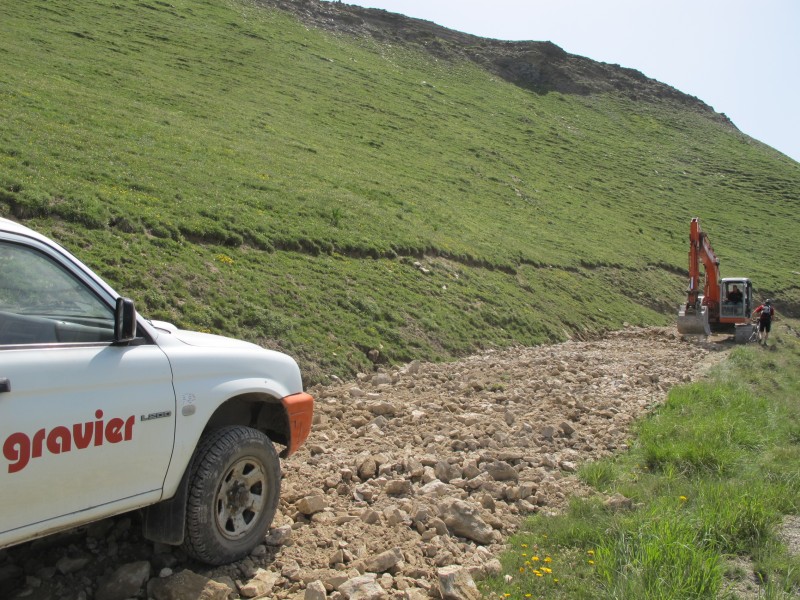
x=455 y=583
x=425 y=467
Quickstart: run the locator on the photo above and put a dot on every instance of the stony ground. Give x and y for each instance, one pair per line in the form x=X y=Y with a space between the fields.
x=409 y=483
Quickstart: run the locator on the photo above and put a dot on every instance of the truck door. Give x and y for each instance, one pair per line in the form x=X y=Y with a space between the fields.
x=86 y=427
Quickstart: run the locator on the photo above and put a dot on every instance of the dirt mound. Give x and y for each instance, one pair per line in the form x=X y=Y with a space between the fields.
x=406 y=472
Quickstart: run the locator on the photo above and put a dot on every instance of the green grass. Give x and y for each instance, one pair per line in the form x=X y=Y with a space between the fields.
x=710 y=475
x=153 y=138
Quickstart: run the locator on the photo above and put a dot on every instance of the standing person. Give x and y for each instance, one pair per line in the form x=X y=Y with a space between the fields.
x=765 y=312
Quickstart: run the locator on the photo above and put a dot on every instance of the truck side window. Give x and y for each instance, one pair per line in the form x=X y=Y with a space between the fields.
x=42 y=303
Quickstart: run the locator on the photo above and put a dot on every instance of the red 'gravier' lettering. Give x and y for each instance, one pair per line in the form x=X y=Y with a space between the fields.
x=19 y=448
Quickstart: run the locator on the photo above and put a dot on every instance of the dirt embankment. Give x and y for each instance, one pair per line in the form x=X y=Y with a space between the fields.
x=408 y=476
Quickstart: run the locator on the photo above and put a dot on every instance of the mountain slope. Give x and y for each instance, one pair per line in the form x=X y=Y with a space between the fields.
x=539 y=66
x=236 y=169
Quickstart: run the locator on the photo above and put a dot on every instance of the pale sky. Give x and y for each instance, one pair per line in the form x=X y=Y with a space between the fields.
x=741 y=57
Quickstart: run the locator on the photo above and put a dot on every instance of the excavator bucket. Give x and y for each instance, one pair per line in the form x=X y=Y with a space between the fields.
x=693 y=321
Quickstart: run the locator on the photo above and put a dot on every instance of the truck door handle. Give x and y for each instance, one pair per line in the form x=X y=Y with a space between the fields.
x=5 y=384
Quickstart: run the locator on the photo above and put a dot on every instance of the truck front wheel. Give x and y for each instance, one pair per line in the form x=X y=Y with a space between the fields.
x=234 y=489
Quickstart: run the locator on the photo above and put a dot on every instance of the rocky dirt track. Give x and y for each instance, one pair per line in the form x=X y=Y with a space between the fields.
x=409 y=483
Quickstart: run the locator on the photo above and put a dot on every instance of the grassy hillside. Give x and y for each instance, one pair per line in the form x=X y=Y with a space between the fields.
x=235 y=171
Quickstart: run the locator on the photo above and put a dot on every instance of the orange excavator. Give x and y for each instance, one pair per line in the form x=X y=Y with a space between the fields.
x=724 y=303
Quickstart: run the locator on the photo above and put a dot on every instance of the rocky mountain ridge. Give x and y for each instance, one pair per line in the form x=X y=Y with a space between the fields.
x=540 y=66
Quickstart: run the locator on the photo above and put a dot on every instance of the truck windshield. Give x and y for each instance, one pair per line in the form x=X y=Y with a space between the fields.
x=35 y=290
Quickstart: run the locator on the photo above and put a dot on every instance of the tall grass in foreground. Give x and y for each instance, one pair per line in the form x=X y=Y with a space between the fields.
x=711 y=475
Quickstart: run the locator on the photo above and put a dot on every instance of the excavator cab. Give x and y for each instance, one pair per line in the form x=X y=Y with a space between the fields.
x=737 y=300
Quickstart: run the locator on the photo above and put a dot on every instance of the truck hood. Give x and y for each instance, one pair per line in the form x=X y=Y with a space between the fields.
x=201 y=340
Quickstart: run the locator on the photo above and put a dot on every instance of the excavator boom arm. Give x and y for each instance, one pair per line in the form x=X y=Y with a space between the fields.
x=695 y=316
x=700 y=250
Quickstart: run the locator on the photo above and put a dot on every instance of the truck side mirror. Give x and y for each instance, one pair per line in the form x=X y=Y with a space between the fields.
x=124 y=321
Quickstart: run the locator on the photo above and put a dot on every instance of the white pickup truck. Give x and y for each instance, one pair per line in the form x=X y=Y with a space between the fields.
x=103 y=412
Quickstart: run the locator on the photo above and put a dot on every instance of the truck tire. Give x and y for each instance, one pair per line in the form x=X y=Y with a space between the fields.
x=234 y=489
